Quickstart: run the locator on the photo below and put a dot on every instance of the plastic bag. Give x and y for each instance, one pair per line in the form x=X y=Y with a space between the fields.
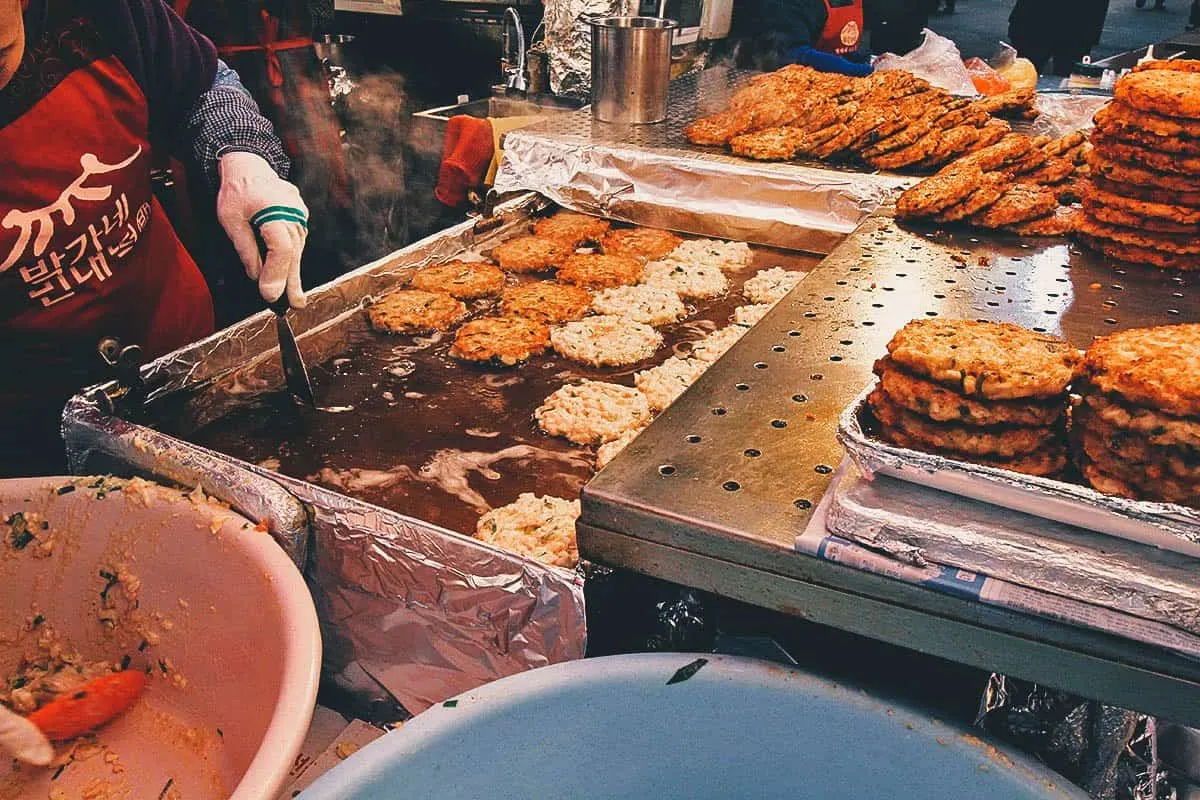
x=937 y=60
x=986 y=79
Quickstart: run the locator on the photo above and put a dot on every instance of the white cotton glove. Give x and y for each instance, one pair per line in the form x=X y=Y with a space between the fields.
x=22 y=740
x=254 y=203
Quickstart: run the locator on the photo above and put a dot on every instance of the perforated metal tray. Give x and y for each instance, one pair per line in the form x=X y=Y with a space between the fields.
x=715 y=492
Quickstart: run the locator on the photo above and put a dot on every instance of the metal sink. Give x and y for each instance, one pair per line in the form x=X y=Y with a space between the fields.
x=500 y=104
x=429 y=126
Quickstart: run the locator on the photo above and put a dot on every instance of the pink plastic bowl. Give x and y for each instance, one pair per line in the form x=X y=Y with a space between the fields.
x=223 y=621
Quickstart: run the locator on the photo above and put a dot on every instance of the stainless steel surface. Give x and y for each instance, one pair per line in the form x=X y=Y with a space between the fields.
x=294 y=371
x=404 y=604
x=1171 y=527
x=650 y=174
x=514 y=73
x=631 y=68
x=715 y=492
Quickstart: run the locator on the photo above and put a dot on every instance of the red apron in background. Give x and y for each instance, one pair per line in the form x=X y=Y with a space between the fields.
x=85 y=250
x=843 y=27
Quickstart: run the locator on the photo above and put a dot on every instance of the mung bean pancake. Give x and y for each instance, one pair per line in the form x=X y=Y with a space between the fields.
x=1154 y=367
x=1131 y=254
x=998 y=442
x=571 y=229
x=941 y=404
x=502 y=340
x=1175 y=163
x=1154 y=426
x=646 y=243
x=939 y=192
x=990 y=188
x=606 y=341
x=1059 y=223
x=462 y=280
x=1171 y=93
x=1141 y=208
x=1048 y=461
x=530 y=254
x=415 y=311
x=994 y=360
x=1124 y=172
x=592 y=412
x=594 y=271
x=1184 y=245
x=1104 y=442
x=1020 y=202
x=772 y=144
x=1119 y=115
x=546 y=301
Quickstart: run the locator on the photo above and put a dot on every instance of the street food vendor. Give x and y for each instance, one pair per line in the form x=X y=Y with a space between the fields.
x=89 y=92
x=822 y=34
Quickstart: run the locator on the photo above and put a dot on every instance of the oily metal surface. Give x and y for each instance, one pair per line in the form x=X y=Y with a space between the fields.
x=734 y=468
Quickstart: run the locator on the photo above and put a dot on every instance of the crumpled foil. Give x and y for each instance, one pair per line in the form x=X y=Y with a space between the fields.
x=568 y=41
x=404 y=605
x=650 y=174
x=1110 y=752
x=916 y=525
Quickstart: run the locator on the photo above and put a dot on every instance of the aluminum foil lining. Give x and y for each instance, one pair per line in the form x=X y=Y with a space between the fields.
x=568 y=41
x=1174 y=526
x=103 y=443
x=422 y=612
x=651 y=174
x=920 y=525
x=427 y=613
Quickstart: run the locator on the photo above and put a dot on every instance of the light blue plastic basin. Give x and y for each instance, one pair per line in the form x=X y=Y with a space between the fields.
x=737 y=728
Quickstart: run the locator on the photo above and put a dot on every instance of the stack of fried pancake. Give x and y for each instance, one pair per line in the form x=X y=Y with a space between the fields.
x=990 y=393
x=1017 y=184
x=893 y=120
x=1143 y=202
x=1136 y=432
x=889 y=120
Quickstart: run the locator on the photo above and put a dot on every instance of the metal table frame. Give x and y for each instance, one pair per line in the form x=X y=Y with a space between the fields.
x=713 y=494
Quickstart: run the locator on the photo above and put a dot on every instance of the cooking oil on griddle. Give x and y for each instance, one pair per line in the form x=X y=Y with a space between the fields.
x=402 y=425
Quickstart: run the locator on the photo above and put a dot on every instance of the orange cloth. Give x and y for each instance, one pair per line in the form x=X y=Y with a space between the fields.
x=467 y=153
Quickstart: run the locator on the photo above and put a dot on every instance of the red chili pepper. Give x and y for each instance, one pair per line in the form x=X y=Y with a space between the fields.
x=89 y=706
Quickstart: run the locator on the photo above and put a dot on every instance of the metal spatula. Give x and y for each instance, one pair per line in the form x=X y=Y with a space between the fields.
x=289 y=352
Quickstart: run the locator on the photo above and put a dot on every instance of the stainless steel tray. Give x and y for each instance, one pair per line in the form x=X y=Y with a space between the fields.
x=1165 y=525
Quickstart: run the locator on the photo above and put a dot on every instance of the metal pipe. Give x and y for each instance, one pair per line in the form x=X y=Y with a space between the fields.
x=515 y=77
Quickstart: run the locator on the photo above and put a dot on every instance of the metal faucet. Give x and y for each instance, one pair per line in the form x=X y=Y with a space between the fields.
x=515 y=79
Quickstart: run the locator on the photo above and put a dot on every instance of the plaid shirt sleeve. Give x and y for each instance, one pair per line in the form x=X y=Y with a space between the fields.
x=226 y=119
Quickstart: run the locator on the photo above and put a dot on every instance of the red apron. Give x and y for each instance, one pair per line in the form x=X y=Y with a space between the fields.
x=85 y=249
x=843 y=27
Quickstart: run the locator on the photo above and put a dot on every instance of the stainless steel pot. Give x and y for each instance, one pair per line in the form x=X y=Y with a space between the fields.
x=631 y=68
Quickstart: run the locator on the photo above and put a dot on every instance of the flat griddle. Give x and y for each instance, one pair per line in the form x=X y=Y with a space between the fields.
x=402 y=425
